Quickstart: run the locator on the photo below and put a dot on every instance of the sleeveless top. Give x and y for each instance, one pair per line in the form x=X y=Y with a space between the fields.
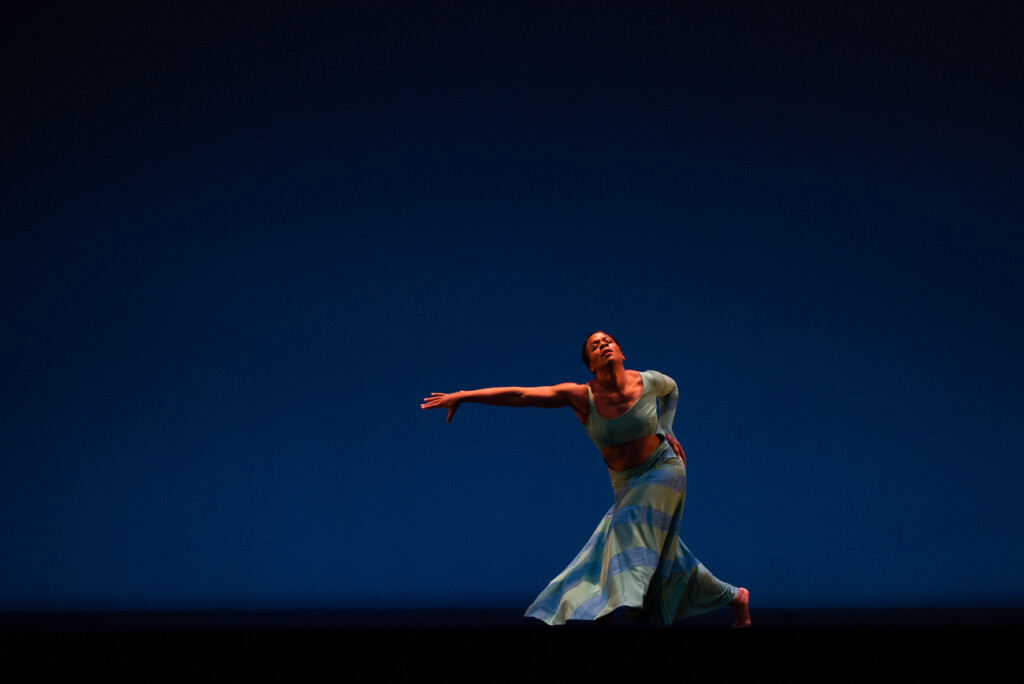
x=651 y=414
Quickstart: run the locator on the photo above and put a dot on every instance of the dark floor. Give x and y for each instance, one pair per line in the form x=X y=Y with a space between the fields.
x=501 y=644
x=42 y=622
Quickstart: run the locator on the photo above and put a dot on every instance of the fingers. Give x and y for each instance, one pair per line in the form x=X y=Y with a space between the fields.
x=439 y=400
x=678 y=449
x=433 y=401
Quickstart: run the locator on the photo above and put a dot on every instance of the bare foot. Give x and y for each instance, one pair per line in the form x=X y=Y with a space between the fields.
x=741 y=608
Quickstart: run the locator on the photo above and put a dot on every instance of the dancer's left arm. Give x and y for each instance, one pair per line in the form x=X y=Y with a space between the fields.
x=668 y=397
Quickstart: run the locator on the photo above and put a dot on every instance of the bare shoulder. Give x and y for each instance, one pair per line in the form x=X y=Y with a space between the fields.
x=572 y=392
x=570 y=388
x=553 y=396
x=577 y=396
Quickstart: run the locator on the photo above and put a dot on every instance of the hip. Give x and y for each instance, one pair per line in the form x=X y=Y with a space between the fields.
x=662 y=461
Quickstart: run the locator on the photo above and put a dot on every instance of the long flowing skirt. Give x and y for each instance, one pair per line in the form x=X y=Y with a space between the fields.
x=635 y=557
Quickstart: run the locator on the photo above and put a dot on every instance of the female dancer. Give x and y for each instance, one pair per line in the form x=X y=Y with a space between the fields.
x=635 y=557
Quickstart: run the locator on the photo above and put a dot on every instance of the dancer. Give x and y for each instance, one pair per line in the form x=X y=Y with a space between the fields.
x=635 y=558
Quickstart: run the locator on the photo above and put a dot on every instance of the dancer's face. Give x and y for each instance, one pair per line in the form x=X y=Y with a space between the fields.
x=602 y=349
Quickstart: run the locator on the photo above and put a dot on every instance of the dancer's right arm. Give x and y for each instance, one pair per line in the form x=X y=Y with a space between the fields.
x=551 y=396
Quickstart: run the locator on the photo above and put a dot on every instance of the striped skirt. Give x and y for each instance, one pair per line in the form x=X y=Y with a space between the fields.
x=635 y=557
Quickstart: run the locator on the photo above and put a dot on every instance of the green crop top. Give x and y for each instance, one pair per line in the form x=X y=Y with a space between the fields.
x=651 y=414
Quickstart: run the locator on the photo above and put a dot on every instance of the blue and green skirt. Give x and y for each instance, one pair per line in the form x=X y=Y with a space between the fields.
x=635 y=557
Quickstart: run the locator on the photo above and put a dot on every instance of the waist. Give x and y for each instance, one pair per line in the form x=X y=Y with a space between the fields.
x=662 y=454
x=630 y=454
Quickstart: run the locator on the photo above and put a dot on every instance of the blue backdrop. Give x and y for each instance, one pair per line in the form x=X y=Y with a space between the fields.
x=240 y=244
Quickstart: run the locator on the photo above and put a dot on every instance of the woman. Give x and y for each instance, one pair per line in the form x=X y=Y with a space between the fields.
x=635 y=557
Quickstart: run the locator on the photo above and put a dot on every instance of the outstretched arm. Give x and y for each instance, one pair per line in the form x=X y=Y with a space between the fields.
x=552 y=396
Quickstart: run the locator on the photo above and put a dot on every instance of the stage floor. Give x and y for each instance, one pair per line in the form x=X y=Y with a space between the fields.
x=41 y=622
x=818 y=645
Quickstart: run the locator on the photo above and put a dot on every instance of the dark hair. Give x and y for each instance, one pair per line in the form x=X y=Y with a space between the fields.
x=586 y=362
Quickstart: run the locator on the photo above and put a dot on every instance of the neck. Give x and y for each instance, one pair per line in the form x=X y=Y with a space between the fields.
x=612 y=376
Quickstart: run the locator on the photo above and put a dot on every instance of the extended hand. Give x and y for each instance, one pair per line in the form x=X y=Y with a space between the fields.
x=676 y=447
x=442 y=400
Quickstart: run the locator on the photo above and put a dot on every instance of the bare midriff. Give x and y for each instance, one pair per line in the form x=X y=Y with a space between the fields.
x=630 y=454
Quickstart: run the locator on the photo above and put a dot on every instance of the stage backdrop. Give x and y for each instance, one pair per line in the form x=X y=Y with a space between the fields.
x=240 y=246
